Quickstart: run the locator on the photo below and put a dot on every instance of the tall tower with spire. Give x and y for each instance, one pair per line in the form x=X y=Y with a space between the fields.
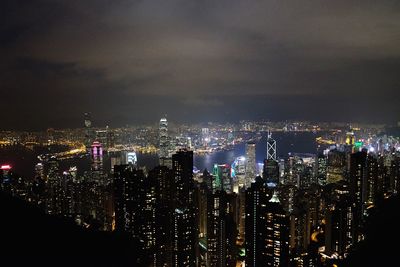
x=271 y=147
x=271 y=165
x=163 y=140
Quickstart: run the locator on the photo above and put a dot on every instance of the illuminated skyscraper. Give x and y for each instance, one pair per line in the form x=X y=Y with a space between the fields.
x=271 y=172
x=131 y=158
x=339 y=224
x=321 y=169
x=277 y=234
x=250 y=163
x=271 y=147
x=222 y=178
x=52 y=187
x=129 y=195
x=162 y=177
x=350 y=139
x=216 y=212
x=394 y=174
x=184 y=216
x=97 y=162
x=358 y=189
x=256 y=200
x=5 y=178
x=89 y=132
x=109 y=138
x=163 y=140
x=222 y=232
x=205 y=136
x=371 y=180
x=39 y=171
x=117 y=158
x=335 y=166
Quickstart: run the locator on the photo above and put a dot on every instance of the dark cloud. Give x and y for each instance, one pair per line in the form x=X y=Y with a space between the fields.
x=132 y=61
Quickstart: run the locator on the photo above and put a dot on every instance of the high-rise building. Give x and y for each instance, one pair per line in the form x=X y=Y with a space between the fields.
x=129 y=197
x=222 y=178
x=97 y=162
x=5 y=178
x=336 y=166
x=394 y=174
x=101 y=136
x=163 y=140
x=339 y=226
x=350 y=138
x=89 y=132
x=184 y=217
x=39 y=171
x=271 y=172
x=205 y=136
x=216 y=234
x=222 y=231
x=131 y=158
x=202 y=199
x=358 y=190
x=271 y=147
x=117 y=158
x=162 y=177
x=267 y=228
x=109 y=138
x=52 y=187
x=238 y=173
x=250 y=163
x=242 y=214
x=321 y=169
x=277 y=234
x=257 y=196
x=371 y=180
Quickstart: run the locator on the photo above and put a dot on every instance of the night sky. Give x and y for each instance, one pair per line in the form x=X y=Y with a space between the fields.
x=131 y=61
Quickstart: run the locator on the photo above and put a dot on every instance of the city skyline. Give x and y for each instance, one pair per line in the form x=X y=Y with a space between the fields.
x=310 y=205
x=199 y=133
x=132 y=61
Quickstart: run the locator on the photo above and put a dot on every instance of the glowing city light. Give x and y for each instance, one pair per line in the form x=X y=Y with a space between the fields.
x=5 y=167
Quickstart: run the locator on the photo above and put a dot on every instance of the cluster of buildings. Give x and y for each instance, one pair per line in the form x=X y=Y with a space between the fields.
x=302 y=210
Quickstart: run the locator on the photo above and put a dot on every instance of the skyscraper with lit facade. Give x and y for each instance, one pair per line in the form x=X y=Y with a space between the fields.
x=89 y=132
x=184 y=215
x=222 y=230
x=97 y=161
x=250 y=172
x=216 y=233
x=267 y=228
x=162 y=177
x=163 y=141
x=321 y=169
x=129 y=197
x=5 y=178
x=271 y=172
x=339 y=226
x=257 y=196
x=358 y=192
x=276 y=246
x=222 y=178
x=271 y=147
x=335 y=166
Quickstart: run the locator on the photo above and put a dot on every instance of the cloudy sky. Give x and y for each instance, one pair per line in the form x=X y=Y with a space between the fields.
x=130 y=61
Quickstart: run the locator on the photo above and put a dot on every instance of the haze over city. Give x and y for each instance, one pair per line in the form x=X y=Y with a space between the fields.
x=131 y=62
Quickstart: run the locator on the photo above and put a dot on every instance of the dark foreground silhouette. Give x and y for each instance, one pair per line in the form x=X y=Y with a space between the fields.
x=381 y=246
x=28 y=237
